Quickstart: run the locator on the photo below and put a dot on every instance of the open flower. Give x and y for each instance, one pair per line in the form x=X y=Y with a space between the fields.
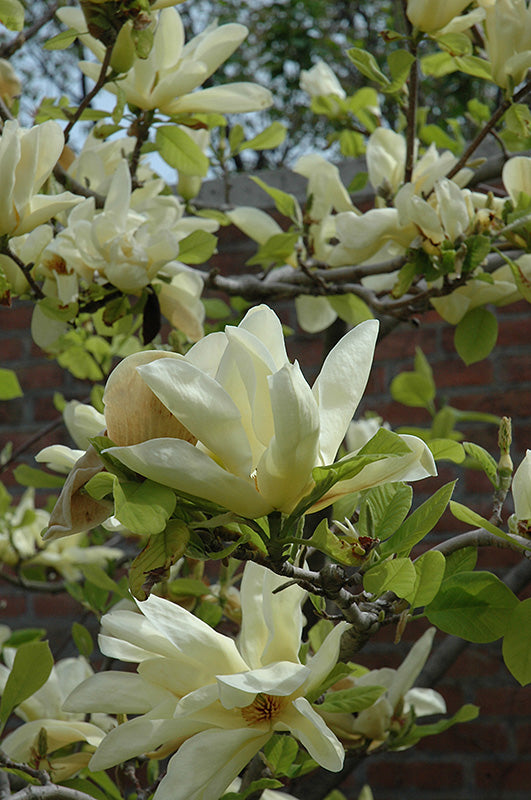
x=321 y=80
x=69 y=733
x=198 y=693
x=27 y=158
x=392 y=707
x=259 y=428
x=166 y=79
x=521 y=489
x=429 y=16
x=508 y=40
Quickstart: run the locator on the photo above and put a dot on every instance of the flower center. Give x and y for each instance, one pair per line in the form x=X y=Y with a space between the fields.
x=264 y=708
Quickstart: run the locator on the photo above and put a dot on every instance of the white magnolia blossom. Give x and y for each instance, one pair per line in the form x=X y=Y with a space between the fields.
x=447 y=214
x=477 y=292
x=516 y=176
x=44 y=709
x=98 y=161
x=508 y=40
x=521 y=489
x=10 y=85
x=360 y=431
x=167 y=78
x=321 y=80
x=258 y=428
x=27 y=158
x=392 y=707
x=21 y=541
x=430 y=15
x=198 y=693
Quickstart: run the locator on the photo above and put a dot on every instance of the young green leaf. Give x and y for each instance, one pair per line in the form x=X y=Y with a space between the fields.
x=476 y=606
x=398 y=576
x=419 y=523
x=31 y=667
x=154 y=561
x=350 y=701
x=475 y=335
x=180 y=151
x=144 y=507
x=430 y=569
x=516 y=650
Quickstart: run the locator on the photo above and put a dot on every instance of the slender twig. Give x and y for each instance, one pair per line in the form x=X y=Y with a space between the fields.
x=483 y=133
x=413 y=87
x=102 y=78
x=38 y=774
x=26 y=271
x=30 y=442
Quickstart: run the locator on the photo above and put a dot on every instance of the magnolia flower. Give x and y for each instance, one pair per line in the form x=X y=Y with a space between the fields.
x=429 y=16
x=321 y=80
x=27 y=158
x=98 y=161
x=501 y=290
x=166 y=79
x=521 y=489
x=448 y=214
x=508 y=40
x=394 y=706
x=259 y=428
x=198 y=693
x=359 y=432
x=10 y=85
x=516 y=176
x=133 y=414
x=44 y=710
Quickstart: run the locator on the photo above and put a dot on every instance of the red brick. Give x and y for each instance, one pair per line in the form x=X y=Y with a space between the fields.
x=454 y=373
x=13 y=606
x=523 y=739
x=15 y=318
x=12 y=349
x=506 y=700
x=469 y=737
x=53 y=606
x=402 y=343
x=420 y=775
x=502 y=777
x=514 y=369
x=476 y=660
x=514 y=332
x=44 y=375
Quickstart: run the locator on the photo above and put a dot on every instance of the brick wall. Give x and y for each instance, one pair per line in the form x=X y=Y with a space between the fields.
x=489 y=758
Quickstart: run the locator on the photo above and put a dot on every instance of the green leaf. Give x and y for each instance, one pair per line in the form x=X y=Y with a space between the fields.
x=254 y=788
x=516 y=650
x=280 y=752
x=399 y=63
x=100 y=485
x=9 y=385
x=144 y=507
x=97 y=576
x=187 y=587
x=398 y=576
x=465 y=714
x=387 y=506
x=404 y=279
x=29 y=476
x=463 y=560
x=350 y=308
x=12 y=14
x=236 y=137
x=465 y=514
x=473 y=605
x=446 y=450
x=24 y=635
x=31 y=668
x=367 y=65
x=153 y=563
x=413 y=389
x=457 y=44
x=180 y=151
x=419 y=523
x=54 y=309
x=61 y=41
x=430 y=569
x=82 y=639
x=522 y=282
x=197 y=247
x=285 y=203
x=443 y=423
x=484 y=460
x=271 y=137
x=477 y=249
x=475 y=335
x=276 y=250
x=472 y=65
x=438 y=65
x=211 y=613
x=350 y=701
x=318 y=633
x=384 y=442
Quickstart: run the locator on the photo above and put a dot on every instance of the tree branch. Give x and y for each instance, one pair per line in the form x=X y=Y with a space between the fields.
x=9 y=48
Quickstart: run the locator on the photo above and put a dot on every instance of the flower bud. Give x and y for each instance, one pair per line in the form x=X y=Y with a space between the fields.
x=430 y=15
